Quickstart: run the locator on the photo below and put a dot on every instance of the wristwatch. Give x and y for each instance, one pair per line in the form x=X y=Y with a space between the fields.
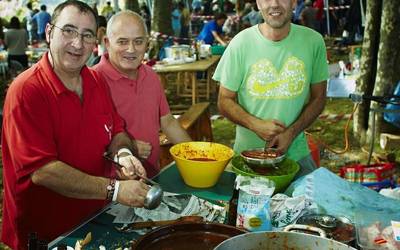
x=110 y=189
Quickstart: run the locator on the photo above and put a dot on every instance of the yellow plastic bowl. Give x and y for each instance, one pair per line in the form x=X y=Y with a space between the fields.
x=201 y=163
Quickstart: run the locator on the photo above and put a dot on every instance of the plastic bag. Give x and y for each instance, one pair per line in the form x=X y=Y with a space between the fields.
x=253 y=211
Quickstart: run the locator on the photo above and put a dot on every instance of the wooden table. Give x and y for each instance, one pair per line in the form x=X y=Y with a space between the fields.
x=190 y=69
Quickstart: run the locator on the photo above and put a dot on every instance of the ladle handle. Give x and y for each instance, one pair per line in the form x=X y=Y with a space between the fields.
x=146 y=224
x=305 y=228
x=119 y=167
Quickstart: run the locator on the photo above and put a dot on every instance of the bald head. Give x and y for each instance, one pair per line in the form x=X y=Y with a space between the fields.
x=126 y=42
x=126 y=17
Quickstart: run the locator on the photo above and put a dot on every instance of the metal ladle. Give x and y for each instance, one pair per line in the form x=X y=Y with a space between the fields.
x=154 y=195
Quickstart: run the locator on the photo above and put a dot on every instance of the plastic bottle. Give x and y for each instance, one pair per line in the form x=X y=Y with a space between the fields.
x=193 y=51
x=233 y=204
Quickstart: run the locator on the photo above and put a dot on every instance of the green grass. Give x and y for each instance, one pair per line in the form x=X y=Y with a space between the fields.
x=223 y=132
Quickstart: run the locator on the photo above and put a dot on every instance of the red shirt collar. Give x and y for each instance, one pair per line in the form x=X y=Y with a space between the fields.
x=109 y=70
x=87 y=79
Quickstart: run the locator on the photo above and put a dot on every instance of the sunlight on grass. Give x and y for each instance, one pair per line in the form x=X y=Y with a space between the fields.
x=223 y=132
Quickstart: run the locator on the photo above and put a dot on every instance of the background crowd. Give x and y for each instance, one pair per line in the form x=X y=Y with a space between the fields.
x=190 y=20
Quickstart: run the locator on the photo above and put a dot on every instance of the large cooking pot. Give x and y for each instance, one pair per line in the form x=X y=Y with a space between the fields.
x=186 y=235
x=280 y=241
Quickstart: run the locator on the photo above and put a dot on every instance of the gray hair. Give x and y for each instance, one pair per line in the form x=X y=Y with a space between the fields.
x=125 y=13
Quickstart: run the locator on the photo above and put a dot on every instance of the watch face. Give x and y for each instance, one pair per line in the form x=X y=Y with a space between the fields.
x=109 y=187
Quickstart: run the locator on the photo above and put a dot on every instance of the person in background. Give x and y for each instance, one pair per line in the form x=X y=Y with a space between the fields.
x=107 y=11
x=272 y=89
x=228 y=7
x=319 y=6
x=353 y=28
x=28 y=18
x=101 y=33
x=333 y=20
x=213 y=30
x=197 y=5
x=215 y=7
x=145 y=14
x=207 y=10
x=42 y=19
x=253 y=17
x=176 y=20
x=34 y=28
x=16 y=41
x=185 y=22
x=246 y=9
x=136 y=89
x=308 y=16
x=100 y=49
x=58 y=122
x=229 y=26
x=297 y=11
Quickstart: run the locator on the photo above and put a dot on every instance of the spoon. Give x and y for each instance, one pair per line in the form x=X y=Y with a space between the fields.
x=266 y=149
x=154 y=195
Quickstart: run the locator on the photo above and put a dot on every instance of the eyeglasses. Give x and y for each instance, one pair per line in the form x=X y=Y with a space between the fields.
x=71 y=34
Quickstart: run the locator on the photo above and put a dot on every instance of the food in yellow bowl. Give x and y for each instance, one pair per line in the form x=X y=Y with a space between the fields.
x=201 y=163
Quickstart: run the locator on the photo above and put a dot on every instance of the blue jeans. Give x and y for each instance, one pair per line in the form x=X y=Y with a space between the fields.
x=307 y=165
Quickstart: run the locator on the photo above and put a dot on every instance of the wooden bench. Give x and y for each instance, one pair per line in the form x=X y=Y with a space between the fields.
x=196 y=121
x=389 y=136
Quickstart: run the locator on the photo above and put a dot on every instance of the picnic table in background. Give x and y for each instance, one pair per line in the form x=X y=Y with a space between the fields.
x=187 y=76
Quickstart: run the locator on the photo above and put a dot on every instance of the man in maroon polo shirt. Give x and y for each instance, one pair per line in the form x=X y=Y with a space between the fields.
x=136 y=89
x=58 y=121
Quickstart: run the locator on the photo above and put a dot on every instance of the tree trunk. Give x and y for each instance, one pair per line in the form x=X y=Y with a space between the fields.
x=132 y=5
x=388 y=64
x=161 y=21
x=368 y=65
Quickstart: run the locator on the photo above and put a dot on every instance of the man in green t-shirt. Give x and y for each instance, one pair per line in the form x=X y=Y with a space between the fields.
x=273 y=83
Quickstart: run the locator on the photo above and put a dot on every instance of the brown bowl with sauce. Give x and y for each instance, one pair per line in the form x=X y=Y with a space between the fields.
x=261 y=157
x=182 y=236
x=201 y=163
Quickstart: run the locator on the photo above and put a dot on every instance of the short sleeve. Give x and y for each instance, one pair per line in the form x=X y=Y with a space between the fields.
x=320 y=66
x=229 y=71
x=28 y=130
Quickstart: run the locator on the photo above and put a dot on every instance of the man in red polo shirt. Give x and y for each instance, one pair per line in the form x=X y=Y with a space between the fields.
x=58 y=121
x=136 y=89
